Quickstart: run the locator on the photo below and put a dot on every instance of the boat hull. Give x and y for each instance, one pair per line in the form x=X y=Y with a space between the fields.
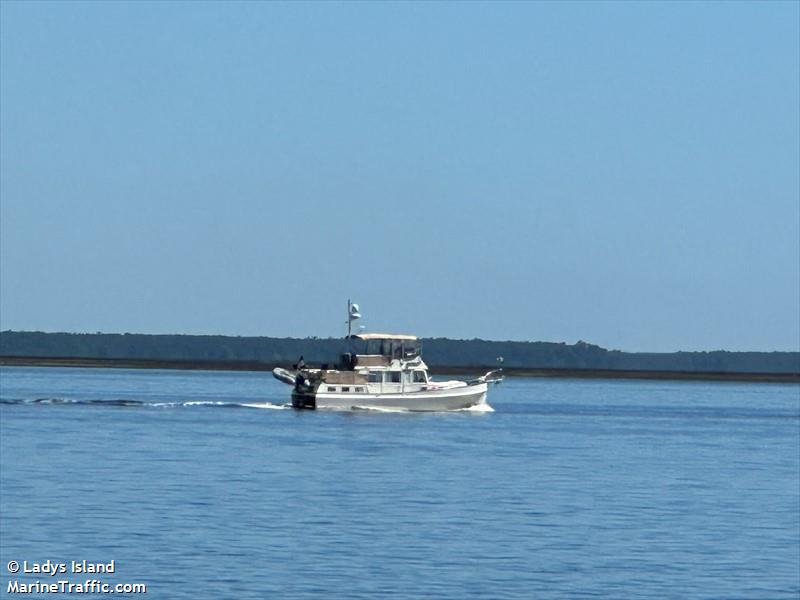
x=456 y=398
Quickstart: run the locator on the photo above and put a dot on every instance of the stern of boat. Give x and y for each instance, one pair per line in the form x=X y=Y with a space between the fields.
x=304 y=400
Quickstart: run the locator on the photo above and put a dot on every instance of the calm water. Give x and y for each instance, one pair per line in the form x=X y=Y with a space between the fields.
x=569 y=489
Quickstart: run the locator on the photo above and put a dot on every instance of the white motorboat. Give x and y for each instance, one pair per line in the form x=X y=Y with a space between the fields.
x=384 y=372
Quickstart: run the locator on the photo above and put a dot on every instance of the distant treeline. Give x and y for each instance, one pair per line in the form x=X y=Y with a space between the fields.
x=437 y=352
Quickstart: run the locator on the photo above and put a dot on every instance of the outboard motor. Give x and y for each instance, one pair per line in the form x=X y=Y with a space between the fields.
x=303 y=395
x=302 y=384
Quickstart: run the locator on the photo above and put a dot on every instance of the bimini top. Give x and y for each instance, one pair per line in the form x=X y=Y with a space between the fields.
x=384 y=336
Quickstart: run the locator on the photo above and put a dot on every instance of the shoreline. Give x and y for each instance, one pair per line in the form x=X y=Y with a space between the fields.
x=259 y=366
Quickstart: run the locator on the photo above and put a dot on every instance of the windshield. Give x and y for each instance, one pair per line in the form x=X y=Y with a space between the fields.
x=405 y=349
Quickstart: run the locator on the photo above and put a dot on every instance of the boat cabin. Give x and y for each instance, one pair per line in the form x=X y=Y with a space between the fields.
x=380 y=363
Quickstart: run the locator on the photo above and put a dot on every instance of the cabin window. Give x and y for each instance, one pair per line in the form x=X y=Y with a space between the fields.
x=359 y=389
x=419 y=377
x=345 y=388
x=392 y=377
x=331 y=388
x=374 y=377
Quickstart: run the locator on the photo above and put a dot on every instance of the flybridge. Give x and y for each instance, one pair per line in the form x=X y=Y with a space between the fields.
x=392 y=345
x=406 y=347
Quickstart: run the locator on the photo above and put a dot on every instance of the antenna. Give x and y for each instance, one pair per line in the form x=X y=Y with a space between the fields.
x=353 y=313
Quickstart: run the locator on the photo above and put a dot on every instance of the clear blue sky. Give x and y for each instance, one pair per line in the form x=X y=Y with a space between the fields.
x=627 y=174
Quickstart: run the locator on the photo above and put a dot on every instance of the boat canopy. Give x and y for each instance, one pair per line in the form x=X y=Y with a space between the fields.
x=406 y=347
x=385 y=336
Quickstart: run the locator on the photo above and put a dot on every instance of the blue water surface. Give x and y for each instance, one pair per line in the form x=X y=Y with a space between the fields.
x=569 y=489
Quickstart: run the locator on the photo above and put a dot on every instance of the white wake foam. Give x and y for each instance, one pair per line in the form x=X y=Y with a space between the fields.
x=483 y=407
x=267 y=405
x=206 y=403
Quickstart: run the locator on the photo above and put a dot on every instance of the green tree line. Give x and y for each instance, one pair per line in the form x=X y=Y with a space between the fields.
x=437 y=352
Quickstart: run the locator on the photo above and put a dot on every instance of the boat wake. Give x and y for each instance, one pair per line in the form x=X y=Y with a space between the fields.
x=267 y=405
x=483 y=407
x=95 y=402
x=71 y=402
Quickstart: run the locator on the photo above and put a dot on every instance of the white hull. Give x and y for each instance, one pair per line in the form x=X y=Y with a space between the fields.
x=454 y=398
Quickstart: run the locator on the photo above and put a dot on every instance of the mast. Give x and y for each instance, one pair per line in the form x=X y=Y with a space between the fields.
x=353 y=313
